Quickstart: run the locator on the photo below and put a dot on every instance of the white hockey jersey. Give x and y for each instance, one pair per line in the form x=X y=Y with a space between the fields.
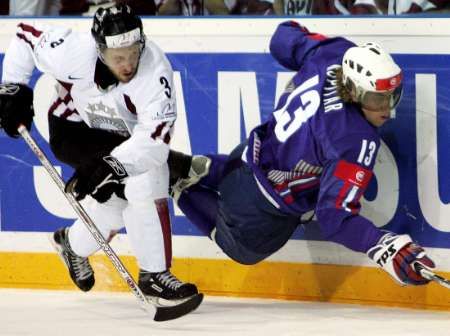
x=143 y=109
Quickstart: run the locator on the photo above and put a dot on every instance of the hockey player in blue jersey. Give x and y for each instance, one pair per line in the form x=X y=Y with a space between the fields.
x=316 y=152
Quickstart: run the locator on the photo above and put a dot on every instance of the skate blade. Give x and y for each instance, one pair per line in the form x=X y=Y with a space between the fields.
x=167 y=313
x=161 y=302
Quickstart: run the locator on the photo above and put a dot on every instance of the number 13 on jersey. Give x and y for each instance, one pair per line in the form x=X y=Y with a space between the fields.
x=305 y=101
x=366 y=154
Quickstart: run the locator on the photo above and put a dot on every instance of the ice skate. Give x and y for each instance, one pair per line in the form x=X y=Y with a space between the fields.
x=199 y=168
x=80 y=270
x=164 y=289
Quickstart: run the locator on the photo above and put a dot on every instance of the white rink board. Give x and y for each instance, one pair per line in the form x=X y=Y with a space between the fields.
x=300 y=251
x=430 y=36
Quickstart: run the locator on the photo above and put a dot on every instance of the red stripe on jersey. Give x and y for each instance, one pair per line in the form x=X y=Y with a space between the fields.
x=355 y=206
x=390 y=83
x=313 y=36
x=353 y=174
x=301 y=187
x=30 y=29
x=164 y=220
x=67 y=113
x=67 y=99
x=317 y=37
x=130 y=106
x=342 y=195
x=54 y=106
x=281 y=186
x=158 y=133
x=288 y=199
x=63 y=100
x=158 y=130
x=22 y=37
x=167 y=138
x=65 y=85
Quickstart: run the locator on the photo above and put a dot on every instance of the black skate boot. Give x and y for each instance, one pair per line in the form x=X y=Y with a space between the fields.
x=80 y=270
x=199 y=168
x=164 y=285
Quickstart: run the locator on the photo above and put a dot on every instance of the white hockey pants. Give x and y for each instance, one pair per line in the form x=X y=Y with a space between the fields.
x=144 y=215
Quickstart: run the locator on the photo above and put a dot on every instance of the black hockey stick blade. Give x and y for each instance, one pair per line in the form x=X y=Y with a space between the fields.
x=429 y=275
x=174 y=312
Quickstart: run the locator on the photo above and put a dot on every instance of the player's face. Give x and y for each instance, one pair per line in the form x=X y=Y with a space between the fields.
x=123 y=62
x=377 y=117
x=377 y=106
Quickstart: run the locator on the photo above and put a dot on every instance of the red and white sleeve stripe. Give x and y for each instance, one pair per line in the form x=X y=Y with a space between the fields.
x=19 y=61
x=28 y=34
x=356 y=179
x=163 y=131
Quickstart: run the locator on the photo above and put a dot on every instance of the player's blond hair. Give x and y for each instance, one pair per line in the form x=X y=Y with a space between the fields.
x=342 y=90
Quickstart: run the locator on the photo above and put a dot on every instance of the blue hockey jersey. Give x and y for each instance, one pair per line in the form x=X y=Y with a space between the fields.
x=316 y=152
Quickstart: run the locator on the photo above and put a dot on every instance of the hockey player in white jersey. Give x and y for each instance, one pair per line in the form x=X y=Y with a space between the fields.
x=111 y=120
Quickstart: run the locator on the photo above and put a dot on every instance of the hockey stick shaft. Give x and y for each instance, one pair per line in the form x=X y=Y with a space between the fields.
x=101 y=241
x=429 y=275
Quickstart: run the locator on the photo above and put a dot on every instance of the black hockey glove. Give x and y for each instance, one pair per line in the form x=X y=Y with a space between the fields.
x=99 y=178
x=16 y=108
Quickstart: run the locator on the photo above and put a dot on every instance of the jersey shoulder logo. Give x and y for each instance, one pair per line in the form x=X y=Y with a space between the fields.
x=353 y=173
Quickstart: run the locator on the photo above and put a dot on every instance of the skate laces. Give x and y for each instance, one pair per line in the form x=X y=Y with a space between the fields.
x=169 y=280
x=81 y=266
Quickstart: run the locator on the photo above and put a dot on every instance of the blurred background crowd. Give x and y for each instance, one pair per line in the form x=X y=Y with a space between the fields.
x=228 y=7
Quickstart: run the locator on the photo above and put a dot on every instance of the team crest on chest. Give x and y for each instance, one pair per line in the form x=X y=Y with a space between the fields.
x=106 y=118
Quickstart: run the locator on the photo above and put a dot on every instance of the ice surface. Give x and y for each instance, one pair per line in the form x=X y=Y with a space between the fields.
x=62 y=313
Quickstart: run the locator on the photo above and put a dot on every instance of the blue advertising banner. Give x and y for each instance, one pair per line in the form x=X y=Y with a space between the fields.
x=421 y=121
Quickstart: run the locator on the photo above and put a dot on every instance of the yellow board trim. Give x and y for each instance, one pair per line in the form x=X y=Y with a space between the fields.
x=279 y=280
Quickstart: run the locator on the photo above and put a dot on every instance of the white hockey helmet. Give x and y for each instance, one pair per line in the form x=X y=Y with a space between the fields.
x=373 y=76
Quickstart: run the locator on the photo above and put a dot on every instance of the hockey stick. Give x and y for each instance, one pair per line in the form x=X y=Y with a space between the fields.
x=158 y=313
x=429 y=275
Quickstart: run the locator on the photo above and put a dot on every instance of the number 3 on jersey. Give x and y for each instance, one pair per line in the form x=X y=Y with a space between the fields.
x=306 y=101
x=167 y=90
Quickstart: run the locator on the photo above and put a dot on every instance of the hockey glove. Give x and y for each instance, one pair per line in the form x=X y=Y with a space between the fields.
x=99 y=178
x=16 y=108
x=397 y=255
